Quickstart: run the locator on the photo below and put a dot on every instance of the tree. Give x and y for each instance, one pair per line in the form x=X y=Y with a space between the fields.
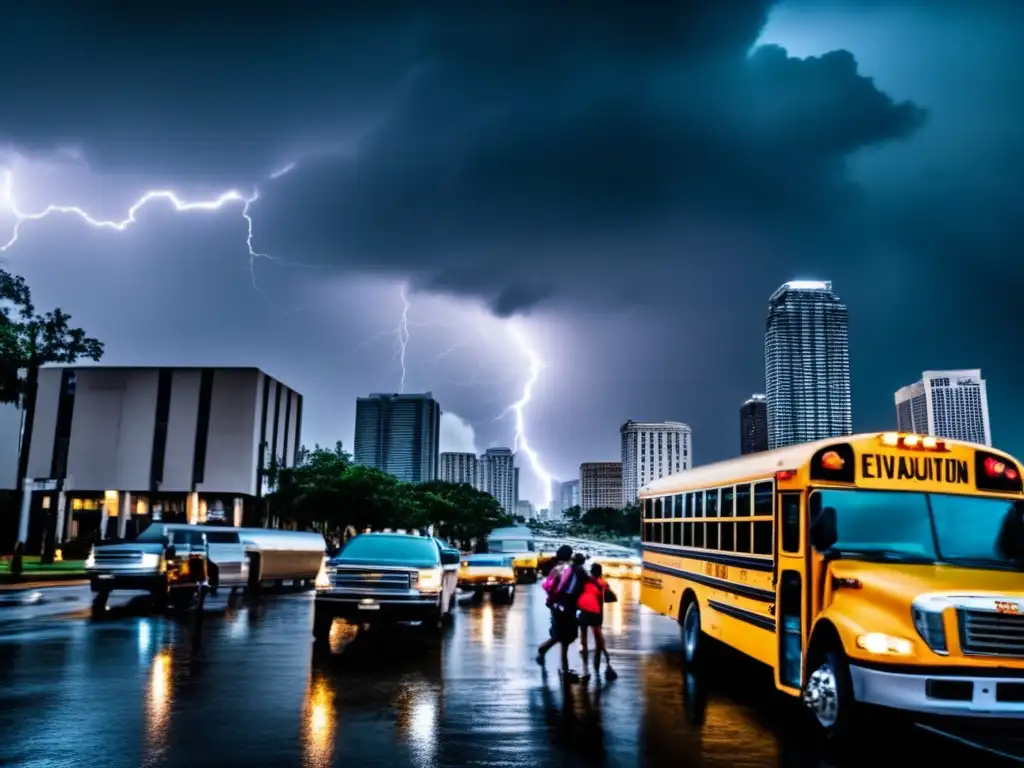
x=573 y=514
x=29 y=340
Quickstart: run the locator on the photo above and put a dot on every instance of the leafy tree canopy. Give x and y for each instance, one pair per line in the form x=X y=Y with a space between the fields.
x=29 y=339
x=326 y=490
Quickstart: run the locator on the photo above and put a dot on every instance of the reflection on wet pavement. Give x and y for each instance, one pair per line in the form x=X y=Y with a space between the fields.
x=130 y=692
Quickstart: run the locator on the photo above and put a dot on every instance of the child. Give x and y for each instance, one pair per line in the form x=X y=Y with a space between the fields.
x=565 y=587
x=591 y=614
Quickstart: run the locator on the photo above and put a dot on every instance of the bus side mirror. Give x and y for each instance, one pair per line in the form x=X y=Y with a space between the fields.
x=824 y=533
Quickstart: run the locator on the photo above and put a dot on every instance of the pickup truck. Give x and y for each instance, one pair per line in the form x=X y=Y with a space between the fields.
x=169 y=562
x=387 y=578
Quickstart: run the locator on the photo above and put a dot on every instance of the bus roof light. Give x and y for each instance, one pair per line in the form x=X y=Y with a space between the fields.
x=913 y=442
x=785 y=474
x=891 y=438
x=832 y=461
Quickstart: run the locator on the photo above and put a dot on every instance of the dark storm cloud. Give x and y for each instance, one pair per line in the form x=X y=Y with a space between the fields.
x=475 y=141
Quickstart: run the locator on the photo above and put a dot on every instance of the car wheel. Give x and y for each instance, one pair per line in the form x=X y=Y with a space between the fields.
x=693 y=636
x=828 y=695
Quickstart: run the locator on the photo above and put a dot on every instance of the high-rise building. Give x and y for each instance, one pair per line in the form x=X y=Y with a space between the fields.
x=807 y=364
x=568 y=495
x=652 y=450
x=525 y=509
x=600 y=484
x=949 y=404
x=754 y=425
x=458 y=468
x=399 y=434
x=496 y=472
x=515 y=487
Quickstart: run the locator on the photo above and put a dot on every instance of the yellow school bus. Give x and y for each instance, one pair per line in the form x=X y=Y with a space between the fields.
x=883 y=569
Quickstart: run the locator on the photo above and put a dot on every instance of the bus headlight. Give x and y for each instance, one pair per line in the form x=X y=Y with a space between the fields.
x=885 y=645
x=429 y=580
x=929 y=625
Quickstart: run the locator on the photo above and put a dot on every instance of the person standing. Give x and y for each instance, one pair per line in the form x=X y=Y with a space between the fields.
x=563 y=585
x=596 y=593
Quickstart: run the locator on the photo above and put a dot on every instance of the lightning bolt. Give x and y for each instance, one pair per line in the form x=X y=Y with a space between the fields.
x=402 y=337
x=232 y=196
x=519 y=407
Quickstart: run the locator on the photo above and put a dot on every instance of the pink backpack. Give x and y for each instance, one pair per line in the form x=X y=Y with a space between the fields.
x=553 y=578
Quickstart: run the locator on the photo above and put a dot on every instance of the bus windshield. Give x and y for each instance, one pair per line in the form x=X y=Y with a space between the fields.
x=920 y=527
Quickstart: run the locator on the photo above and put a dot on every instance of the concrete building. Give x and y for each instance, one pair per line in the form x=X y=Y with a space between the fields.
x=399 y=434
x=650 y=451
x=496 y=475
x=568 y=495
x=754 y=425
x=458 y=468
x=113 y=449
x=950 y=404
x=525 y=509
x=600 y=484
x=807 y=364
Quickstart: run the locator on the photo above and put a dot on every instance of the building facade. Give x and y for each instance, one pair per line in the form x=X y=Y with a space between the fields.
x=112 y=449
x=754 y=425
x=949 y=404
x=458 y=468
x=496 y=475
x=525 y=510
x=399 y=434
x=568 y=495
x=652 y=450
x=807 y=364
x=600 y=484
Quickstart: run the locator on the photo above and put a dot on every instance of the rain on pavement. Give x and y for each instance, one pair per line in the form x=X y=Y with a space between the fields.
x=135 y=690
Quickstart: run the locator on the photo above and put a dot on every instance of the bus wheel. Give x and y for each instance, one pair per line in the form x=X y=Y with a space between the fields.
x=693 y=637
x=828 y=695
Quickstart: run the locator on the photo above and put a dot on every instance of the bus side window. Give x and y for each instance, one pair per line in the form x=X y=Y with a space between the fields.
x=728 y=536
x=677 y=533
x=743 y=500
x=711 y=503
x=689 y=506
x=727 y=502
x=743 y=537
x=688 y=533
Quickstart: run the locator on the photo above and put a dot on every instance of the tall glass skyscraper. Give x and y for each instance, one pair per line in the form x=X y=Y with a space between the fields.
x=807 y=364
x=399 y=434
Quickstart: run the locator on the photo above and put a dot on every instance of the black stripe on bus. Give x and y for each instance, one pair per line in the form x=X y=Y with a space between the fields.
x=762 y=595
x=750 y=563
x=749 y=617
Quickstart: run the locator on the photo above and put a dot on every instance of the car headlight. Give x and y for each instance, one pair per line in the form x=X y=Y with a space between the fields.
x=323 y=580
x=429 y=580
x=928 y=622
x=885 y=645
x=151 y=560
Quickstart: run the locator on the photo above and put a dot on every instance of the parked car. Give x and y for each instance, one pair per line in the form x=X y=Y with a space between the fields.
x=387 y=578
x=489 y=574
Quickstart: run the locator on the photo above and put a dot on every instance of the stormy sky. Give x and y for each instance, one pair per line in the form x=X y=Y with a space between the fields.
x=614 y=188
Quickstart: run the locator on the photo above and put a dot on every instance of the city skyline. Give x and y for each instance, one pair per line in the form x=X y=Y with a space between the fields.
x=614 y=246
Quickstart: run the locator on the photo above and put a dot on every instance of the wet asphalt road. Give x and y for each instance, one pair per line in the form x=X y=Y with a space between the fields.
x=134 y=691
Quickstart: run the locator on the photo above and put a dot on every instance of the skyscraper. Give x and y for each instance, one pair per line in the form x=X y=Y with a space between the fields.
x=807 y=364
x=399 y=434
x=568 y=495
x=496 y=475
x=652 y=450
x=950 y=404
x=600 y=484
x=754 y=425
x=458 y=468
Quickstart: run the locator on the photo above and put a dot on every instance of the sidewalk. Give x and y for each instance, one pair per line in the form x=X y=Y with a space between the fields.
x=37 y=583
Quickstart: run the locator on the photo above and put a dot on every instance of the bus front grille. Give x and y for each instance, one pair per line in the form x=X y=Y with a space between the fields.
x=988 y=633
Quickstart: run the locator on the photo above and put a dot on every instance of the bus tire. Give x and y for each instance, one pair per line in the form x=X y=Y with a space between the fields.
x=828 y=694
x=692 y=634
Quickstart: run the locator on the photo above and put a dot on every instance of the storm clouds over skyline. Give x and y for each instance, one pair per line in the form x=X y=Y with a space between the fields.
x=627 y=189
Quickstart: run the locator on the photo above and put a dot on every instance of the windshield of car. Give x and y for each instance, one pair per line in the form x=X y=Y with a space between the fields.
x=487 y=562
x=510 y=545
x=377 y=548
x=898 y=526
